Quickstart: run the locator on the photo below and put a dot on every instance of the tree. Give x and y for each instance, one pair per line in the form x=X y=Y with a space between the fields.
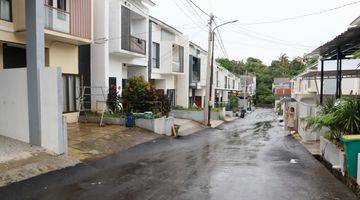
x=281 y=67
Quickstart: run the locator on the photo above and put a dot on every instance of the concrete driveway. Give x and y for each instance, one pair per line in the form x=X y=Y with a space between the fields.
x=250 y=159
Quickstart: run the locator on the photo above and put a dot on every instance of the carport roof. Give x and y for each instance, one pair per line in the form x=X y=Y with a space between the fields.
x=348 y=42
x=332 y=74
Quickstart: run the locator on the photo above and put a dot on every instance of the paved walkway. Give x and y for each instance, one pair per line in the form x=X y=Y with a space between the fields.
x=250 y=159
x=88 y=141
x=20 y=161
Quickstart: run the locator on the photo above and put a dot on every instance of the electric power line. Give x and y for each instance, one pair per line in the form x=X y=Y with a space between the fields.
x=301 y=16
x=198 y=7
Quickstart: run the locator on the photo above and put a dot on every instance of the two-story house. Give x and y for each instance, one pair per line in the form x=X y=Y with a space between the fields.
x=121 y=41
x=197 y=75
x=68 y=24
x=168 y=62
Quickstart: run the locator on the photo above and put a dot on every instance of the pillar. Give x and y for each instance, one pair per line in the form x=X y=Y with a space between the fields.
x=35 y=61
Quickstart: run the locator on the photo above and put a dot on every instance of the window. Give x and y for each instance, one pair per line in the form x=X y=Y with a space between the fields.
x=226 y=82
x=14 y=55
x=61 y=4
x=181 y=58
x=155 y=54
x=233 y=84
x=71 y=86
x=49 y=2
x=5 y=10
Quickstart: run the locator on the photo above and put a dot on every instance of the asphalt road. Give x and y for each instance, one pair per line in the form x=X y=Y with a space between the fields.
x=250 y=159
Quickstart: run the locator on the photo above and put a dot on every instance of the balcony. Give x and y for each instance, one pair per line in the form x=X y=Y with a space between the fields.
x=177 y=59
x=137 y=45
x=176 y=67
x=57 y=19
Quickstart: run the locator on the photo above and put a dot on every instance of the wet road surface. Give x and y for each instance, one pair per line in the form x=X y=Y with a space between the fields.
x=250 y=159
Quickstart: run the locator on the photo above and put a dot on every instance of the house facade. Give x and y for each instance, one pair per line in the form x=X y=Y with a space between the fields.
x=197 y=75
x=120 y=48
x=169 y=62
x=68 y=24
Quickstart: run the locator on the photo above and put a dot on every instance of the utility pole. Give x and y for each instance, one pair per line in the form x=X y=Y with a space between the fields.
x=208 y=74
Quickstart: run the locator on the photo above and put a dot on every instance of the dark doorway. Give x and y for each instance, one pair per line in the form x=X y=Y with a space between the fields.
x=85 y=73
x=198 y=101
x=112 y=83
x=14 y=56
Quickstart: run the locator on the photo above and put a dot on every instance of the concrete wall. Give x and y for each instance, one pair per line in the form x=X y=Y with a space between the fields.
x=332 y=154
x=65 y=56
x=14 y=102
x=160 y=125
x=198 y=116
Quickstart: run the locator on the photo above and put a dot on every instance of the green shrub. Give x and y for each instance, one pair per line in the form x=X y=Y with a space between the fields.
x=139 y=96
x=341 y=117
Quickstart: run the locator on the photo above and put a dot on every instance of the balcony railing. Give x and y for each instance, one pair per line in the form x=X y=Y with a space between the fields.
x=177 y=67
x=137 y=45
x=57 y=19
x=195 y=76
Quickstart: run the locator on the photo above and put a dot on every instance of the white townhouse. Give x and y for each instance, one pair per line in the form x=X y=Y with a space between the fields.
x=121 y=41
x=197 y=75
x=224 y=82
x=169 y=62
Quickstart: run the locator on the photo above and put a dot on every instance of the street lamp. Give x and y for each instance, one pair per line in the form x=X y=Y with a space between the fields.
x=212 y=67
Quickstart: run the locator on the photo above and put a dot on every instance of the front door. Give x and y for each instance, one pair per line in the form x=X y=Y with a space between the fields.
x=198 y=101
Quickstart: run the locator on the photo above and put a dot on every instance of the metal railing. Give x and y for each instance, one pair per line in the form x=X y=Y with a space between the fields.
x=137 y=45
x=57 y=19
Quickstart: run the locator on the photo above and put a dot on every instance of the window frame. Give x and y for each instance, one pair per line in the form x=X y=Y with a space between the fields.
x=59 y=2
x=155 y=59
x=10 y=12
x=76 y=78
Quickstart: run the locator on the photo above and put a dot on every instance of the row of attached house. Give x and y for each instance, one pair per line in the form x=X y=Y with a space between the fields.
x=128 y=42
x=90 y=46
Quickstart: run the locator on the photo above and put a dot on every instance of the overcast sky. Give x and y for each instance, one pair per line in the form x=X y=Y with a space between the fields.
x=263 y=41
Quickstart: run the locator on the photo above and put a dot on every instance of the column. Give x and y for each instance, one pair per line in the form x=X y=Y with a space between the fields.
x=35 y=51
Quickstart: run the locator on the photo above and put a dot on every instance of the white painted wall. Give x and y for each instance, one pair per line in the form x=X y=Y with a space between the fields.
x=164 y=76
x=14 y=102
x=100 y=50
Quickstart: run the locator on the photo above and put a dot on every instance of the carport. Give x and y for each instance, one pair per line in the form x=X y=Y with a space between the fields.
x=340 y=48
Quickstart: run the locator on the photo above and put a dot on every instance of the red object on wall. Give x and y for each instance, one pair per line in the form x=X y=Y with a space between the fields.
x=283 y=91
x=198 y=101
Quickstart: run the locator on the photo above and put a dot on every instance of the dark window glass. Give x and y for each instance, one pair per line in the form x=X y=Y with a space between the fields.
x=49 y=2
x=155 y=54
x=61 y=4
x=14 y=56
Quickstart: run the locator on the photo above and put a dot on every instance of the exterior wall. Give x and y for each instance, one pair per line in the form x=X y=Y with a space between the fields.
x=15 y=124
x=139 y=27
x=100 y=49
x=165 y=77
x=65 y=56
x=116 y=69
